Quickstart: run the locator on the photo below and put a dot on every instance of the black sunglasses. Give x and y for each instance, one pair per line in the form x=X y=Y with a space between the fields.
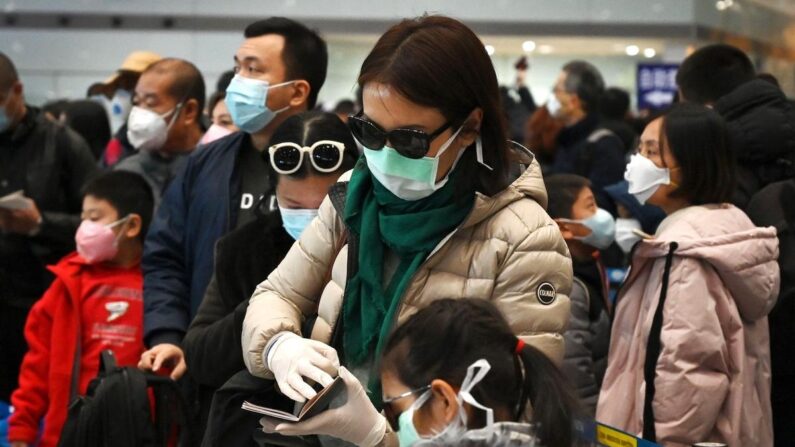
x=410 y=143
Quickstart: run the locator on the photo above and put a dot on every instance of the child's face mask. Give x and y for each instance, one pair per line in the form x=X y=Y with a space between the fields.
x=97 y=242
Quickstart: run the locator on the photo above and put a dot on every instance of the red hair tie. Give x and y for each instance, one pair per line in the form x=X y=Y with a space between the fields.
x=519 y=346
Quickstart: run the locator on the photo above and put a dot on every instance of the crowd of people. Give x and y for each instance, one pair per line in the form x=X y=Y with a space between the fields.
x=440 y=246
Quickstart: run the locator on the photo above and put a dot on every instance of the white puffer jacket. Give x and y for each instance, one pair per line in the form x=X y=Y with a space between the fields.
x=507 y=250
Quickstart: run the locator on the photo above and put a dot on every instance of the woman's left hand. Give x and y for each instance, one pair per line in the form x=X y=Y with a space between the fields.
x=357 y=421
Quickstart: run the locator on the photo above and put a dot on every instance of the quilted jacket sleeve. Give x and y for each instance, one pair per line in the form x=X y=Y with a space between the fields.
x=292 y=291
x=533 y=286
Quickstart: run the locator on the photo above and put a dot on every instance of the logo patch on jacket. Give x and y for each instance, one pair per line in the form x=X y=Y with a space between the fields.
x=546 y=293
x=116 y=309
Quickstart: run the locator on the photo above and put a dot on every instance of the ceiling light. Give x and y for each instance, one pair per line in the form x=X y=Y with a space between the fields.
x=649 y=52
x=632 y=50
x=528 y=46
x=490 y=49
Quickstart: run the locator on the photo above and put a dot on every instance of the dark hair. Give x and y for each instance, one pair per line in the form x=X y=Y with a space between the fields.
x=345 y=106
x=307 y=128
x=563 y=190
x=55 y=107
x=304 y=54
x=215 y=98
x=712 y=72
x=442 y=340
x=697 y=138
x=8 y=72
x=127 y=192
x=223 y=81
x=188 y=82
x=583 y=79
x=614 y=104
x=89 y=119
x=439 y=62
x=767 y=77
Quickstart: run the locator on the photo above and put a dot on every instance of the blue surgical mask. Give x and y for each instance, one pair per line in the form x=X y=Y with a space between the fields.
x=602 y=226
x=407 y=431
x=295 y=221
x=247 y=100
x=408 y=178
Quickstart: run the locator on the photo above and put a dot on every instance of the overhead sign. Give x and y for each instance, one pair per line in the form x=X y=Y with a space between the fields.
x=656 y=85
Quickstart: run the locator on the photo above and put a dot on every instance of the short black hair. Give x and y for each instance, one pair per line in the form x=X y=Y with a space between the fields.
x=712 y=72
x=697 y=138
x=127 y=192
x=614 y=104
x=307 y=128
x=583 y=79
x=305 y=55
x=224 y=80
x=8 y=72
x=562 y=191
x=188 y=81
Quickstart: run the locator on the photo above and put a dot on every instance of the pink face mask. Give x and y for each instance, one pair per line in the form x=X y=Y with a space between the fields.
x=215 y=132
x=97 y=242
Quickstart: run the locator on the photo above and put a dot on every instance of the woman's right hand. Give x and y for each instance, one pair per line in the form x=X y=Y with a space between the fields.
x=19 y=444
x=292 y=358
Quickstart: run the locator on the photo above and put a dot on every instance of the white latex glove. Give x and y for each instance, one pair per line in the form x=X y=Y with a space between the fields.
x=357 y=421
x=292 y=358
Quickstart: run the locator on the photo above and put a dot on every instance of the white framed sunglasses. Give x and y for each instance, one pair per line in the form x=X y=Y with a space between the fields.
x=325 y=156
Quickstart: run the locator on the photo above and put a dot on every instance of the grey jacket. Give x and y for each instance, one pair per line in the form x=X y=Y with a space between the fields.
x=587 y=343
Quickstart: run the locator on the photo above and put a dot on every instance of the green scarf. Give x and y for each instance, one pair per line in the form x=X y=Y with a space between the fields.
x=410 y=229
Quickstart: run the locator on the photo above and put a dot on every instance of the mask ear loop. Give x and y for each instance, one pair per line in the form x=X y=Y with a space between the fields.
x=479 y=153
x=475 y=374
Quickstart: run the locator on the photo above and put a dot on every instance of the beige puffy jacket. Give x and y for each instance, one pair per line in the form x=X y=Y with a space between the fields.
x=507 y=250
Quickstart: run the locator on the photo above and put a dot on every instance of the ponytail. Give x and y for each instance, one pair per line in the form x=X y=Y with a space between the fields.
x=546 y=389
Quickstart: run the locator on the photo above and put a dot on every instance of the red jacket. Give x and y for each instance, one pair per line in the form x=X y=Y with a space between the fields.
x=101 y=303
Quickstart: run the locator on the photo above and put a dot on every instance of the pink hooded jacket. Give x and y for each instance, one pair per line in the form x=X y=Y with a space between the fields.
x=713 y=373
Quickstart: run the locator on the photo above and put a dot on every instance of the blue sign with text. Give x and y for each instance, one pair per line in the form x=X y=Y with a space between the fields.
x=656 y=85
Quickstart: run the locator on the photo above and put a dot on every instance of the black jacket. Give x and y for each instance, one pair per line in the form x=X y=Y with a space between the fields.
x=243 y=259
x=761 y=124
x=589 y=150
x=50 y=163
x=775 y=206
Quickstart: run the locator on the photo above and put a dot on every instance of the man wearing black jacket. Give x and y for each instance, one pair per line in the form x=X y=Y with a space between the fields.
x=49 y=164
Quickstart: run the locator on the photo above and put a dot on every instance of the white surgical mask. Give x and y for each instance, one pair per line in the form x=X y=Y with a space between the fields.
x=553 y=105
x=645 y=177
x=147 y=130
x=626 y=237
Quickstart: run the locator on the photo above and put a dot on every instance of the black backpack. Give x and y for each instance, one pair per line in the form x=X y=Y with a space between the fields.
x=117 y=412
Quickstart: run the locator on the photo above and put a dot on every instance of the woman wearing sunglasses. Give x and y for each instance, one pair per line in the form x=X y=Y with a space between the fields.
x=308 y=153
x=436 y=208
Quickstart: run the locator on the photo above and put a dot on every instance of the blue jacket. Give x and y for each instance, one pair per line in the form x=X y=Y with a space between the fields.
x=178 y=254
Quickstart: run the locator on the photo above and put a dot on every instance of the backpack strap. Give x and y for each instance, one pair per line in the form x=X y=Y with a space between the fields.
x=653 y=347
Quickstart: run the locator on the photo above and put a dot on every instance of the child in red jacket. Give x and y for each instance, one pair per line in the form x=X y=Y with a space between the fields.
x=95 y=303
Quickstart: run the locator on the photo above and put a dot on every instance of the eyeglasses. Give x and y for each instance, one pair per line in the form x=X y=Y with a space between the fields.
x=392 y=417
x=411 y=143
x=325 y=155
